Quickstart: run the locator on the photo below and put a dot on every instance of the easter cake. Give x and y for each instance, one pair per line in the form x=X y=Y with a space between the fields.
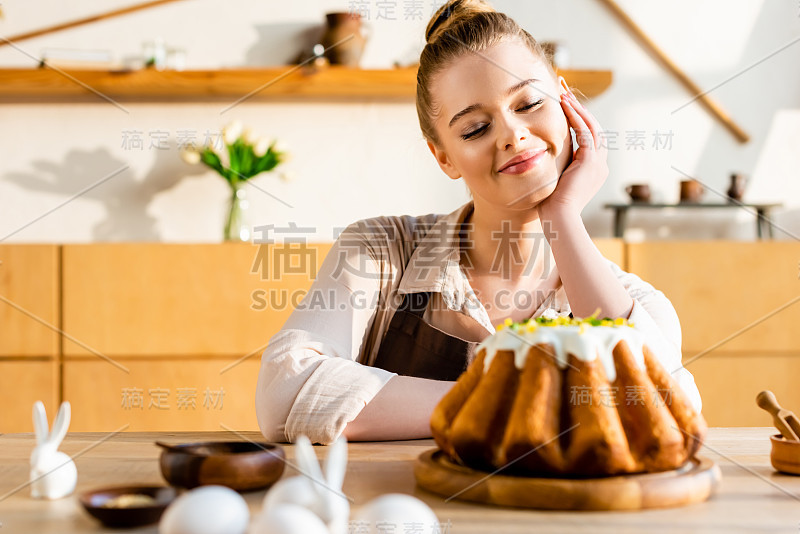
x=567 y=397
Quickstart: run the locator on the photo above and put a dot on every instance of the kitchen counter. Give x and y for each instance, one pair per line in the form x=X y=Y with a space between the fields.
x=752 y=496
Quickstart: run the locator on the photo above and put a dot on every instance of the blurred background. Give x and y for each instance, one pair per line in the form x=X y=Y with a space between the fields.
x=121 y=293
x=346 y=155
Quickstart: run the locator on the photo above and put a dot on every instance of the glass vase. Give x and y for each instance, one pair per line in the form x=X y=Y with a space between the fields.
x=236 y=227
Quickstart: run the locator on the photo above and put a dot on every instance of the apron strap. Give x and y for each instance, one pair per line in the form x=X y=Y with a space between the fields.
x=415 y=303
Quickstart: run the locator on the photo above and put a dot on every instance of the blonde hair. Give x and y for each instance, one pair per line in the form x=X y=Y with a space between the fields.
x=459 y=27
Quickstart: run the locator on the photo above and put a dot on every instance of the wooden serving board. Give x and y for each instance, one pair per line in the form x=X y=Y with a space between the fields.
x=694 y=482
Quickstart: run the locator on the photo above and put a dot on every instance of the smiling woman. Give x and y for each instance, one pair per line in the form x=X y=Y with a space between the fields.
x=509 y=139
x=401 y=302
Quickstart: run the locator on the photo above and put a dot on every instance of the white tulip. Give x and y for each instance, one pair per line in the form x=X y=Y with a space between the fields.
x=283 y=151
x=190 y=155
x=261 y=146
x=249 y=136
x=232 y=132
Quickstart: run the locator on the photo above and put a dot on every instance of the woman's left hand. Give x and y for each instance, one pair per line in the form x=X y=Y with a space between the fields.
x=584 y=176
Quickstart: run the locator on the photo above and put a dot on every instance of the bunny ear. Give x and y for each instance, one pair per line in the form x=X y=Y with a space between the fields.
x=336 y=464
x=40 y=422
x=61 y=424
x=308 y=463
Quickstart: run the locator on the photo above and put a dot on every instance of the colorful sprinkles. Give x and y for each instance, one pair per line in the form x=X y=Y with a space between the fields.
x=531 y=324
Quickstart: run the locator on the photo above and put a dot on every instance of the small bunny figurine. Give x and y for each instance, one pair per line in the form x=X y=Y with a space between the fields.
x=53 y=473
x=314 y=492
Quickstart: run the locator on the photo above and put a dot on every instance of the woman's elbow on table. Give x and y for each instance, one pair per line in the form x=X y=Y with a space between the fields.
x=270 y=421
x=285 y=407
x=273 y=399
x=275 y=425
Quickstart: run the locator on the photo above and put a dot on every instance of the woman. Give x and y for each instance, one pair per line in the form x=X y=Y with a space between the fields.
x=400 y=303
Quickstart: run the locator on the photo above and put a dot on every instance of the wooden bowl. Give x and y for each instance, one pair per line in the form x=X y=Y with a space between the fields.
x=239 y=465
x=785 y=455
x=133 y=516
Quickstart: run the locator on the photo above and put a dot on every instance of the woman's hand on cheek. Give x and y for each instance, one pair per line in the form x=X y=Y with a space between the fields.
x=582 y=178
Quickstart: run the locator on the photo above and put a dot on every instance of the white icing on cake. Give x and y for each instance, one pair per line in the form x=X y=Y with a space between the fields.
x=584 y=341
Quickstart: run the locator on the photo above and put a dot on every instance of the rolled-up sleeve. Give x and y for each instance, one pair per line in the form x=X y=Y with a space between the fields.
x=655 y=316
x=310 y=381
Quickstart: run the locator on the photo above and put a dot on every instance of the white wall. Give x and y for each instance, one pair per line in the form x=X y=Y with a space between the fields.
x=358 y=160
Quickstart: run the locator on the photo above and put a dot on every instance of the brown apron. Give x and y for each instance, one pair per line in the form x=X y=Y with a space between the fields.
x=413 y=347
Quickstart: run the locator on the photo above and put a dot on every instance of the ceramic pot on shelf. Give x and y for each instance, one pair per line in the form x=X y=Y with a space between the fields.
x=638 y=192
x=691 y=191
x=346 y=29
x=736 y=190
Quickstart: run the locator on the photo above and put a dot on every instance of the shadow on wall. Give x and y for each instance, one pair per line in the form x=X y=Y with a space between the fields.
x=755 y=114
x=721 y=154
x=271 y=49
x=124 y=197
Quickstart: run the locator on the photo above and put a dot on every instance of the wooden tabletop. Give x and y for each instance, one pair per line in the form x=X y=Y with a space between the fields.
x=752 y=497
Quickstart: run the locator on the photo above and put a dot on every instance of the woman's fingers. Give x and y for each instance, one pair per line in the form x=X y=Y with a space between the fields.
x=586 y=120
x=582 y=131
x=586 y=114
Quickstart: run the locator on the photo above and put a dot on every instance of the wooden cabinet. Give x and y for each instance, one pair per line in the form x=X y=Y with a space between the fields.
x=154 y=332
x=613 y=249
x=181 y=300
x=29 y=300
x=165 y=394
x=23 y=382
x=29 y=333
x=172 y=335
x=739 y=307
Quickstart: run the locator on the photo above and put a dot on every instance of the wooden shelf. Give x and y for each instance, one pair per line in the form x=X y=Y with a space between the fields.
x=279 y=83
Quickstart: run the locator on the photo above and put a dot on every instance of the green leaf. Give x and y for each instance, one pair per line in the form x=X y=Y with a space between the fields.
x=233 y=156
x=247 y=161
x=266 y=163
x=210 y=158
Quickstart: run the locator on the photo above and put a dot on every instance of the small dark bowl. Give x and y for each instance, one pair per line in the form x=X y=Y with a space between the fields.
x=133 y=516
x=239 y=465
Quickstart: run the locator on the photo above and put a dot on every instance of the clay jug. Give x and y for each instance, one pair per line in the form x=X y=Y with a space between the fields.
x=691 y=191
x=639 y=192
x=736 y=190
x=341 y=26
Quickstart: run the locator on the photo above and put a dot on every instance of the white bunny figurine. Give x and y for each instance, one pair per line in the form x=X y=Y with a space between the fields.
x=318 y=493
x=53 y=473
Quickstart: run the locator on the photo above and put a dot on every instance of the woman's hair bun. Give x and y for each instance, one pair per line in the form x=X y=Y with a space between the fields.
x=453 y=12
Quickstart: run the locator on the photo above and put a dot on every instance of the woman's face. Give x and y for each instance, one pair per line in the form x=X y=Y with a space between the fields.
x=491 y=115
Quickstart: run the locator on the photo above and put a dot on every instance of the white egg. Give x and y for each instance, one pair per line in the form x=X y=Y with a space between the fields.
x=288 y=519
x=397 y=510
x=206 y=510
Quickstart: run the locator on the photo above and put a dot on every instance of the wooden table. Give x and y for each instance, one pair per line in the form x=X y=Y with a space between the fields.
x=752 y=497
x=762 y=213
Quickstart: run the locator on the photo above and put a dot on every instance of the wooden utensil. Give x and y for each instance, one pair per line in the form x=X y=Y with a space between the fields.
x=785 y=455
x=784 y=420
x=81 y=22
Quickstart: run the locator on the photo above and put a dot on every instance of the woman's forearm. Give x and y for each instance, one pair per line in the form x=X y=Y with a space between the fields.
x=588 y=280
x=401 y=410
